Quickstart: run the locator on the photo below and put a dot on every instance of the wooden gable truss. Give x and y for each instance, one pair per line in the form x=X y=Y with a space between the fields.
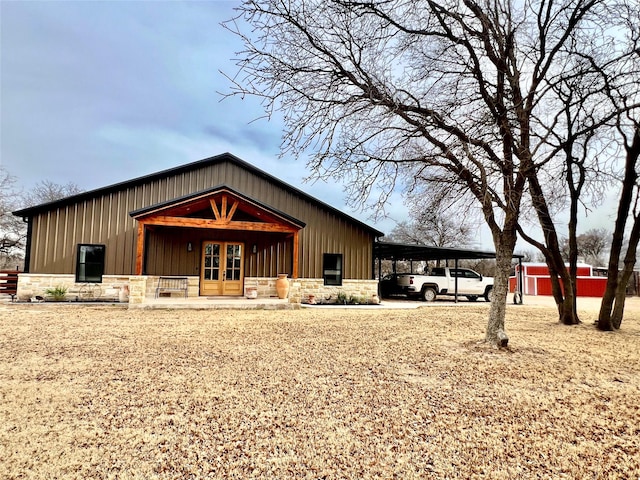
x=222 y=209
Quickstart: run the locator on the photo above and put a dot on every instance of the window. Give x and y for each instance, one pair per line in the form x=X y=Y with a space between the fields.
x=464 y=273
x=90 y=263
x=332 y=268
x=471 y=274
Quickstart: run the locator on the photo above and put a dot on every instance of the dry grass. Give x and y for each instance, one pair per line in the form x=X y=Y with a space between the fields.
x=97 y=392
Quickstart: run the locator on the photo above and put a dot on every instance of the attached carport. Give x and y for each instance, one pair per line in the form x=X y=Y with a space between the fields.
x=412 y=252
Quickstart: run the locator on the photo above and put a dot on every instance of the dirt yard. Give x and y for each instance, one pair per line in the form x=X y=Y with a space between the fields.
x=107 y=393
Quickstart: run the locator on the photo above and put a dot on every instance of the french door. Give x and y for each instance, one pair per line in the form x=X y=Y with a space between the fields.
x=222 y=268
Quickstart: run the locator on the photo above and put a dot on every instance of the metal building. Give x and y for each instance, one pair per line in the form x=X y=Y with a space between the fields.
x=220 y=218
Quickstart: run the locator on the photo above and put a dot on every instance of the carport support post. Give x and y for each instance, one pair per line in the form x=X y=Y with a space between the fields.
x=455 y=262
x=379 y=275
x=520 y=282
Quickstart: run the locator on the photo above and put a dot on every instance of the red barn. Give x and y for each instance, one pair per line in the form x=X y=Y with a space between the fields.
x=537 y=281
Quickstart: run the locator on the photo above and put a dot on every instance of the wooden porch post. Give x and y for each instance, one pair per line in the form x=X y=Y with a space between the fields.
x=296 y=252
x=140 y=247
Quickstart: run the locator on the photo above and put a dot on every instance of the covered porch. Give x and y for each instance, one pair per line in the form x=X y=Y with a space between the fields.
x=219 y=238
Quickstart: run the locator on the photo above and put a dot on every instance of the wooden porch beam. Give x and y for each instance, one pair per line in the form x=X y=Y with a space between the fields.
x=223 y=208
x=214 y=207
x=218 y=224
x=232 y=210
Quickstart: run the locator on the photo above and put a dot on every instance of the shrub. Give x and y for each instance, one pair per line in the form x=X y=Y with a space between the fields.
x=341 y=298
x=58 y=293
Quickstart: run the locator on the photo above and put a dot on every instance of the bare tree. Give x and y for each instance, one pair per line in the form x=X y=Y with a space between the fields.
x=627 y=128
x=435 y=220
x=47 y=191
x=12 y=230
x=597 y=86
x=613 y=300
x=416 y=92
x=591 y=246
x=432 y=230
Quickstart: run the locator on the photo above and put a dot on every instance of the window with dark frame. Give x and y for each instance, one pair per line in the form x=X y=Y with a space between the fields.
x=332 y=268
x=90 y=263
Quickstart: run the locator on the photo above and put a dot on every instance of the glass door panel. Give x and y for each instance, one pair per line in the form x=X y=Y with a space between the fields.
x=233 y=284
x=222 y=268
x=211 y=267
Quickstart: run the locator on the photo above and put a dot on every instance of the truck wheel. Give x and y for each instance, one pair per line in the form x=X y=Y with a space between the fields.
x=472 y=298
x=428 y=294
x=488 y=295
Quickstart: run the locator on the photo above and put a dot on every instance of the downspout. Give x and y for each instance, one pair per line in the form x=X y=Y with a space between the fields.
x=27 y=248
x=375 y=255
x=373 y=260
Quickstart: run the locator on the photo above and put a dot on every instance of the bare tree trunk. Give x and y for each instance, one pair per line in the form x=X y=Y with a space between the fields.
x=554 y=273
x=627 y=272
x=605 y=319
x=621 y=297
x=564 y=295
x=609 y=297
x=571 y=294
x=570 y=312
x=565 y=299
x=556 y=287
x=505 y=242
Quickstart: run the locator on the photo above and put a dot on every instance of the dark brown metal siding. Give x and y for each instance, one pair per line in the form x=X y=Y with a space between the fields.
x=105 y=219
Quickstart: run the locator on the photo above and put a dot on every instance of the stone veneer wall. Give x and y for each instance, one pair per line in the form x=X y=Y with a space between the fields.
x=363 y=291
x=35 y=284
x=266 y=286
x=141 y=288
x=300 y=289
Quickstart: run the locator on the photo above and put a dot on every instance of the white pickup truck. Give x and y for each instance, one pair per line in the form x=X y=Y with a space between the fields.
x=442 y=281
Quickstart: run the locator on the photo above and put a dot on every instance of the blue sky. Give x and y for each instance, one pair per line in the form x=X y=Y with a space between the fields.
x=97 y=92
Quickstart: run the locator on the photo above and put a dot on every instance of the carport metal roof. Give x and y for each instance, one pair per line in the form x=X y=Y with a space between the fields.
x=406 y=251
